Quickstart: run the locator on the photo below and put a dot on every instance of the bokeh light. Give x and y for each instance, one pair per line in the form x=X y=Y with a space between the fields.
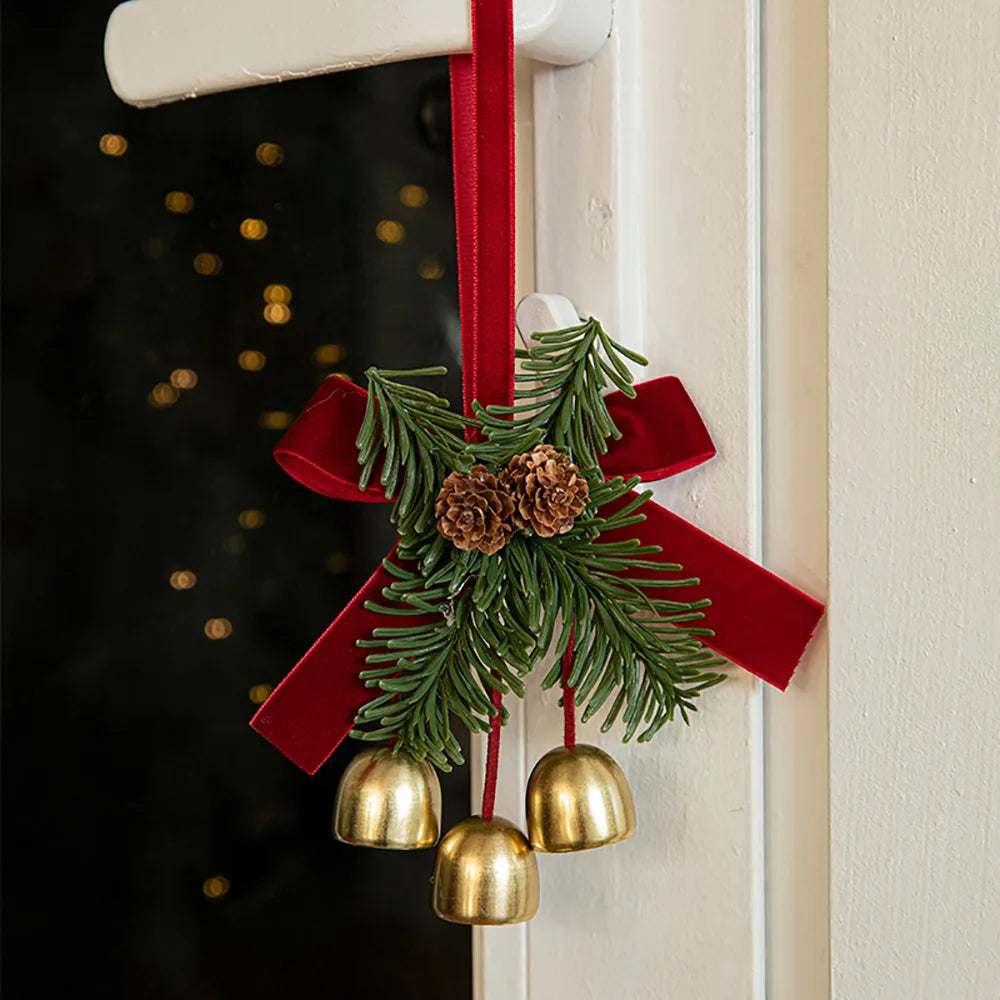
x=259 y=693
x=413 y=195
x=163 y=394
x=275 y=420
x=234 y=545
x=178 y=202
x=218 y=628
x=430 y=268
x=253 y=229
x=112 y=144
x=270 y=154
x=328 y=354
x=337 y=562
x=215 y=887
x=281 y=294
x=390 y=231
x=208 y=263
x=251 y=519
x=252 y=361
x=183 y=579
x=277 y=313
x=183 y=378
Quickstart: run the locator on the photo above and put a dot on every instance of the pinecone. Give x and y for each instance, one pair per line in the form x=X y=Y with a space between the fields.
x=474 y=511
x=549 y=492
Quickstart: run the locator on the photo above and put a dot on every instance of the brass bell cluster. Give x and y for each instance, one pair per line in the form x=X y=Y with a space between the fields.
x=485 y=871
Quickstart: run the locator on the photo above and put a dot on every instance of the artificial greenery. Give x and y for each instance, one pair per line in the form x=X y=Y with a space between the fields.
x=468 y=623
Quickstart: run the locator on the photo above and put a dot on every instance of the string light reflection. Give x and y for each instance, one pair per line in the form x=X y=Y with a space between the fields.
x=413 y=195
x=431 y=268
x=253 y=229
x=390 y=231
x=208 y=263
x=179 y=202
x=277 y=313
x=113 y=145
x=260 y=692
x=163 y=394
x=218 y=628
x=338 y=562
x=252 y=361
x=270 y=154
x=281 y=294
x=275 y=420
x=234 y=545
x=251 y=519
x=215 y=887
x=328 y=354
x=183 y=378
x=183 y=579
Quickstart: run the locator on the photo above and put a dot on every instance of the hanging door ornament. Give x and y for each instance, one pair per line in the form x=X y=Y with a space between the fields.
x=520 y=531
x=521 y=534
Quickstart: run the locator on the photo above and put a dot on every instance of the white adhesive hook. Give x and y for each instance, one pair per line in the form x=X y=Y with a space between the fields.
x=541 y=312
x=157 y=51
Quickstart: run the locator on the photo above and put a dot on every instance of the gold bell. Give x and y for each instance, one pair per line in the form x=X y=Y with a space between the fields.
x=578 y=798
x=485 y=873
x=388 y=800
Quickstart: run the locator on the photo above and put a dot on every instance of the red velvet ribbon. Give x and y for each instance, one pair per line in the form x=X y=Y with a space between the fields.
x=482 y=123
x=569 y=695
x=760 y=622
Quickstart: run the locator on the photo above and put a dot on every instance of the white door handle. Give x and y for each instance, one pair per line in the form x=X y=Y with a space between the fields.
x=158 y=51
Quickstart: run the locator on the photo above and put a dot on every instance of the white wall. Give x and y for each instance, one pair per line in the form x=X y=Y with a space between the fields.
x=914 y=613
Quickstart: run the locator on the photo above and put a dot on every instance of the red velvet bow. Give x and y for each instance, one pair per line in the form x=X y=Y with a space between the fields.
x=760 y=622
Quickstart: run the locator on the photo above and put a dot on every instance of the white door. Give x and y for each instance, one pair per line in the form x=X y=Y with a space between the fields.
x=807 y=233
x=793 y=206
x=649 y=212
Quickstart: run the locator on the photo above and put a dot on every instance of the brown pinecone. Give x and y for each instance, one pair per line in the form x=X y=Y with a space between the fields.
x=548 y=490
x=474 y=511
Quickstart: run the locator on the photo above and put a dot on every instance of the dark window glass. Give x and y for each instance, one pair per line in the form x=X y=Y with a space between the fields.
x=160 y=571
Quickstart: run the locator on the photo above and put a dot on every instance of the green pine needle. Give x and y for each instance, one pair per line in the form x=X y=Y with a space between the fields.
x=461 y=625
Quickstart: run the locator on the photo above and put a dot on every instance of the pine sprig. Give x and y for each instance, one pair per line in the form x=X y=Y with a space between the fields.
x=558 y=397
x=468 y=624
x=465 y=640
x=624 y=639
x=413 y=433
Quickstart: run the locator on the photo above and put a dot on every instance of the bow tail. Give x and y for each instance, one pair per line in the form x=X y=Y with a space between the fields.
x=311 y=711
x=761 y=623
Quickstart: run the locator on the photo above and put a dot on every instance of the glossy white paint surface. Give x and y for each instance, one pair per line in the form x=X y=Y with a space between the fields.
x=796 y=762
x=166 y=50
x=646 y=215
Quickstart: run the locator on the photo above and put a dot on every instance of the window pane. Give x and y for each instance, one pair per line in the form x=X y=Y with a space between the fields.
x=177 y=283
